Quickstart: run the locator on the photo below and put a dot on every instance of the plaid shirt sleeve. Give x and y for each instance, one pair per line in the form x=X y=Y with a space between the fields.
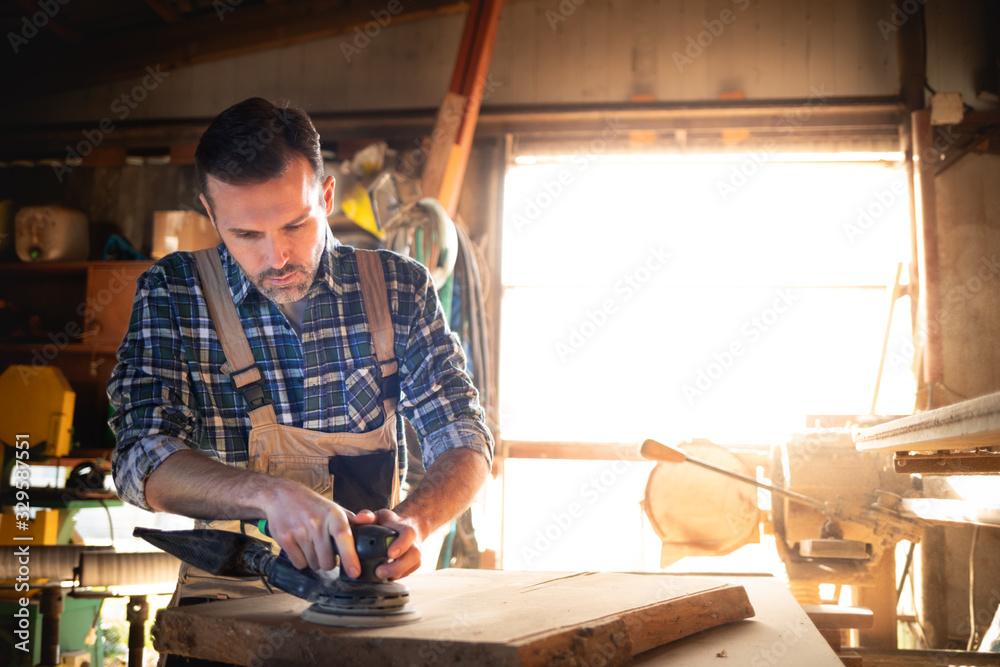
x=149 y=391
x=438 y=396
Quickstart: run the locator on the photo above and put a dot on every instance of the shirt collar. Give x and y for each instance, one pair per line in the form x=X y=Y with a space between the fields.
x=327 y=275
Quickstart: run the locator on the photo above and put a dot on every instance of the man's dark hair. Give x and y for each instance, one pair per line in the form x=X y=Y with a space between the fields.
x=255 y=141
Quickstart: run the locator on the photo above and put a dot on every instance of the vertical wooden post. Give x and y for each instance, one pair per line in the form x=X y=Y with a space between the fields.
x=881 y=599
x=459 y=113
x=933 y=602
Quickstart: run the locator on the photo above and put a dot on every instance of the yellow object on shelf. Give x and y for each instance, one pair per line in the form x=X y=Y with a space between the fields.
x=357 y=206
x=38 y=403
x=43 y=529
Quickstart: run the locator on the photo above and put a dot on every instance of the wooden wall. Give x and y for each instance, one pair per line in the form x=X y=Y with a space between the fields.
x=968 y=211
x=547 y=52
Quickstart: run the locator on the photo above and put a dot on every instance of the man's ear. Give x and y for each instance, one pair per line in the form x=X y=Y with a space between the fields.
x=211 y=216
x=328 y=189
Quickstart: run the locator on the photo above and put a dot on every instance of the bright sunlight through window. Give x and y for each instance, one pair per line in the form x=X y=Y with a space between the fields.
x=704 y=298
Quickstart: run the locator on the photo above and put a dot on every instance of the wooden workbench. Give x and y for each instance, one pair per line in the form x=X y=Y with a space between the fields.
x=779 y=634
x=470 y=617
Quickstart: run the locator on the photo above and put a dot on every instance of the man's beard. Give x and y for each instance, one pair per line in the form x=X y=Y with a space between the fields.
x=293 y=291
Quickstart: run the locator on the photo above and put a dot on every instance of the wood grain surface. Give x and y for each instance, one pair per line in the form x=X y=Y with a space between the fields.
x=470 y=617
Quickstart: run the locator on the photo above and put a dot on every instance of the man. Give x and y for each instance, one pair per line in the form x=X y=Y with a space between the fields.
x=191 y=438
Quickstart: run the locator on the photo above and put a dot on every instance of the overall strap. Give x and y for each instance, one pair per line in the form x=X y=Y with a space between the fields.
x=375 y=295
x=240 y=364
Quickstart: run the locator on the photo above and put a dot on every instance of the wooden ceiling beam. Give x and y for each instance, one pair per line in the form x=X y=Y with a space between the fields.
x=230 y=31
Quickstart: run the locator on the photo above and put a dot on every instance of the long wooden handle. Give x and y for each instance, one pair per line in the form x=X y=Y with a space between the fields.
x=657 y=451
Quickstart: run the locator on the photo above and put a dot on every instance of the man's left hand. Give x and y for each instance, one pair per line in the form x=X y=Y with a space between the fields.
x=404 y=550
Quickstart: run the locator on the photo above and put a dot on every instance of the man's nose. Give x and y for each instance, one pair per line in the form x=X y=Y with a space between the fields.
x=278 y=252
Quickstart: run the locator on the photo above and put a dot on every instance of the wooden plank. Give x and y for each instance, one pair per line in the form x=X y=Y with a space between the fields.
x=965 y=425
x=469 y=617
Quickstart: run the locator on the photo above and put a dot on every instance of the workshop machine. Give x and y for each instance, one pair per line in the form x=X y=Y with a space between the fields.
x=833 y=510
x=365 y=601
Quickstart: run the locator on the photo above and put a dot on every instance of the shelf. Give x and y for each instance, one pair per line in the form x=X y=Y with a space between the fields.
x=52 y=498
x=63 y=268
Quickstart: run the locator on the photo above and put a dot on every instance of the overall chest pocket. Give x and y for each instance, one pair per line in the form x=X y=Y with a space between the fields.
x=362 y=399
x=311 y=472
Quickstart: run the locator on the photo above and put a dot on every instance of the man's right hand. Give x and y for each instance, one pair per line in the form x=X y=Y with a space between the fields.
x=301 y=521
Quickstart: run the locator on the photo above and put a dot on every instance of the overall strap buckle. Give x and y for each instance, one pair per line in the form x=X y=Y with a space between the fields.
x=252 y=392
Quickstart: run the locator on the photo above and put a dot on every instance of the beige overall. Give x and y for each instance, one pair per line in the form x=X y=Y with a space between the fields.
x=308 y=457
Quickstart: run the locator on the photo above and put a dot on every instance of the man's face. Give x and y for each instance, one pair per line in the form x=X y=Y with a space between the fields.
x=275 y=230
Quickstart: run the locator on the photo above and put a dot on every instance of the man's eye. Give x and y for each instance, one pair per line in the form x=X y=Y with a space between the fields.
x=246 y=235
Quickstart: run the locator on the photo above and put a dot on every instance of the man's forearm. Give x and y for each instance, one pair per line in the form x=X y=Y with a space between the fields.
x=447 y=489
x=300 y=521
x=191 y=484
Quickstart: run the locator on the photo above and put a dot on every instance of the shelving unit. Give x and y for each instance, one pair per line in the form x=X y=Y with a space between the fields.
x=72 y=315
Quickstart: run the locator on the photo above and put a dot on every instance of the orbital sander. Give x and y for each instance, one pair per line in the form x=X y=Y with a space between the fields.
x=365 y=601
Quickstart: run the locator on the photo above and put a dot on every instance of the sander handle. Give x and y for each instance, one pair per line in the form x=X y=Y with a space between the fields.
x=371 y=543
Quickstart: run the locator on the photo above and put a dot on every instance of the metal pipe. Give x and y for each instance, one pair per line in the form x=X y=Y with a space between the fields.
x=137 y=614
x=925 y=197
x=51 y=605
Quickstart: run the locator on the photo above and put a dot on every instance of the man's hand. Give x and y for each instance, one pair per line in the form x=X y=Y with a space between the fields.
x=404 y=550
x=447 y=489
x=301 y=521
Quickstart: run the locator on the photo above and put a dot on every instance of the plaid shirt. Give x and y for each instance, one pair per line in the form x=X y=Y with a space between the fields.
x=169 y=393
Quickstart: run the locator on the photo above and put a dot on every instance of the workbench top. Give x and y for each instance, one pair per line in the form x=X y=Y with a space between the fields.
x=470 y=617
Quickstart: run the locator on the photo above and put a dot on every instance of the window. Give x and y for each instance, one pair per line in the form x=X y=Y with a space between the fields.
x=675 y=299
